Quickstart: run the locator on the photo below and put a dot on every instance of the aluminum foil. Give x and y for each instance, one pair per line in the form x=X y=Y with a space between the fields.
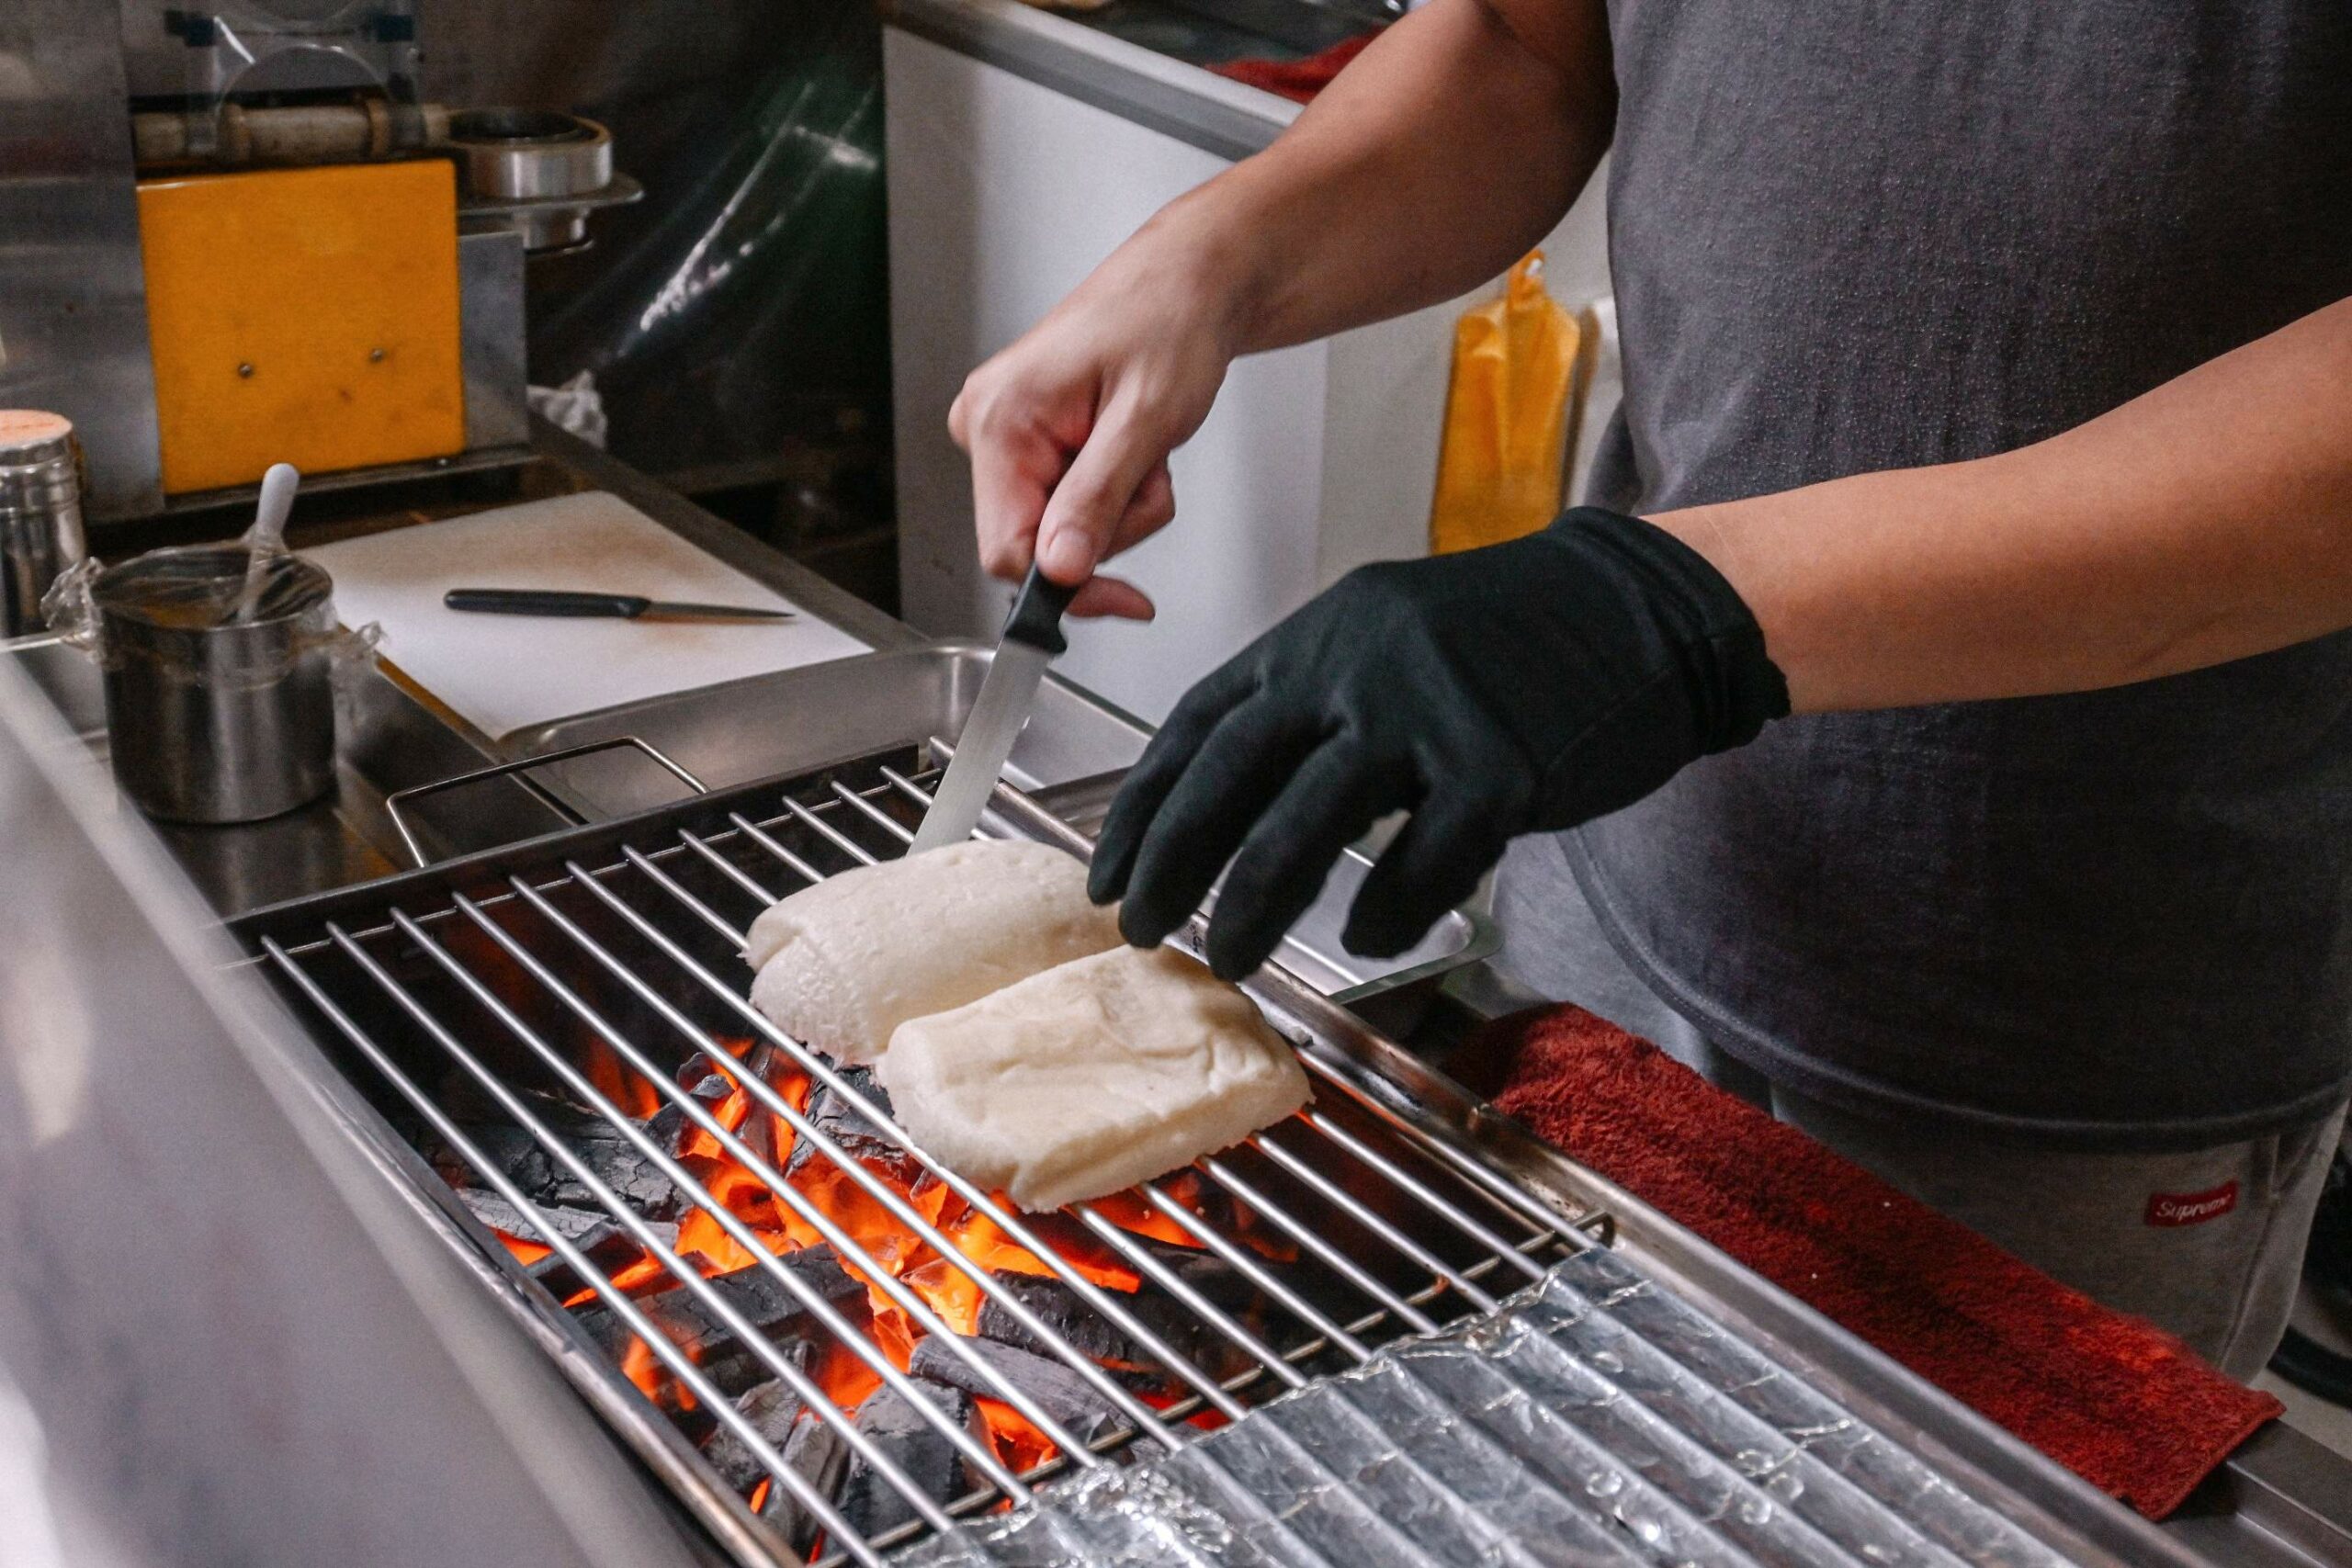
x=1593 y=1421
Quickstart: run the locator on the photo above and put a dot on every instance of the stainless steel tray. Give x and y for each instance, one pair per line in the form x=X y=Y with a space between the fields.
x=1071 y=755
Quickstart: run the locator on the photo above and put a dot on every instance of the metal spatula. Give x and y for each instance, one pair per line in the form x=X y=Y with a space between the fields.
x=1033 y=638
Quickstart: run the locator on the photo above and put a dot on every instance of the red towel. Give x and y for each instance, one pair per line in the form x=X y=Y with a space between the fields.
x=2111 y=1397
x=1297 y=79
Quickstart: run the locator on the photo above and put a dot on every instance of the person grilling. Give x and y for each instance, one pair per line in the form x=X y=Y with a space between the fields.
x=1939 y=726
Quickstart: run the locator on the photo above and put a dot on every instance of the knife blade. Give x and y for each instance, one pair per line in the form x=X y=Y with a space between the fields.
x=1032 y=637
x=614 y=606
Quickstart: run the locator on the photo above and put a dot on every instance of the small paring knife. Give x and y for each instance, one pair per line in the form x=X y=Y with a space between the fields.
x=609 y=606
x=1032 y=637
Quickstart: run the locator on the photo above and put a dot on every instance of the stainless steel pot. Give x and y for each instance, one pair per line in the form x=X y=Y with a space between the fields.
x=213 y=719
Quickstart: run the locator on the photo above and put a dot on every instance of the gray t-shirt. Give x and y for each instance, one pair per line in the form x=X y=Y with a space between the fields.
x=1851 y=235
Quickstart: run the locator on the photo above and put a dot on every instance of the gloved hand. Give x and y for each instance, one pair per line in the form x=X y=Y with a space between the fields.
x=1531 y=686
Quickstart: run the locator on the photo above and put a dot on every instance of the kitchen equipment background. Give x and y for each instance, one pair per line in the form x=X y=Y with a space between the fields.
x=500 y=674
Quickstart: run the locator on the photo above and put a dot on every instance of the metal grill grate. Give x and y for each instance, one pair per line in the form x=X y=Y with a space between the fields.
x=532 y=1006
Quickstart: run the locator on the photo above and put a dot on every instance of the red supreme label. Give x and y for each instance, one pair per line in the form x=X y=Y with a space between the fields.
x=2192 y=1208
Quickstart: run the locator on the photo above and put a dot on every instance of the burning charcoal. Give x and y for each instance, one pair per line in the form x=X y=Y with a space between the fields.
x=873 y=1504
x=514 y=1153
x=584 y=1229
x=1220 y=1282
x=1066 y=1315
x=608 y=1245
x=1059 y=1392
x=763 y=1301
x=1225 y=1286
x=848 y=1129
x=668 y=1125
x=610 y=1255
x=522 y=1159
x=625 y=1168
x=821 y=1454
x=772 y=1408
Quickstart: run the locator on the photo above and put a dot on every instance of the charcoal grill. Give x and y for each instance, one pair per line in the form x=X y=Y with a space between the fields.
x=498 y=1011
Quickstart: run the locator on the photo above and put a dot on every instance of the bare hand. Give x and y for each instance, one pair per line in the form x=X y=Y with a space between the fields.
x=1069 y=428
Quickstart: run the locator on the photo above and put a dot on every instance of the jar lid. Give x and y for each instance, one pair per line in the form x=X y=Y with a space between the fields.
x=34 y=435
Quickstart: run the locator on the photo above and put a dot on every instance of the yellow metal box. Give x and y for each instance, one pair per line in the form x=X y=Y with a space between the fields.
x=307 y=316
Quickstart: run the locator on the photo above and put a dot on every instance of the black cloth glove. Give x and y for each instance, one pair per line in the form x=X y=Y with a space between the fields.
x=1528 y=686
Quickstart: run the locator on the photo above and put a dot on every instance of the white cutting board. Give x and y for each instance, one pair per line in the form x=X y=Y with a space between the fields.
x=500 y=672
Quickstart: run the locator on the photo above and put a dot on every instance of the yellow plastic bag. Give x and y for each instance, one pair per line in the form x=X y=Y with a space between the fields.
x=1520 y=367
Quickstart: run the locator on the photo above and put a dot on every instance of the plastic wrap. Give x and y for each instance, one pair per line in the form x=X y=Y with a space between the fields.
x=1594 y=1421
x=743 y=310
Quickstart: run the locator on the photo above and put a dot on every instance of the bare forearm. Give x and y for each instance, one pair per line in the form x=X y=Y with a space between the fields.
x=1432 y=163
x=2205 y=520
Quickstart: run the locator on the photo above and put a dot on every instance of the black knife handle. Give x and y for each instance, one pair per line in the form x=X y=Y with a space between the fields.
x=1036 y=618
x=545 y=601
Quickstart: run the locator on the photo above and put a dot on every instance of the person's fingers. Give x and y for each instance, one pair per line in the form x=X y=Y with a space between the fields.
x=1153 y=508
x=1197 y=713
x=1240 y=768
x=1433 y=864
x=1011 y=481
x=1112 y=596
x=1075 y=531
x=1331 y=801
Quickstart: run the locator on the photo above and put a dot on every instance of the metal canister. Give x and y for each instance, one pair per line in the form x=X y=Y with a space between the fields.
x=215 y=716
x=40 y=512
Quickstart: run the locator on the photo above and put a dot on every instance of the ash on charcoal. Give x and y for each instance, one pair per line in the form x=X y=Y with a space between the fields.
x=821 y=1454
x=669 y=1126
x=610 y=1255
x=584 y=1229
x=1220 y=1282
x=873 y=1504
x=681 y=1316
x=609 y=1246
x=522 y=1160
x=1225 y=1286
x=1059 y=1392
x=833 y=1117
x=771 y=1408
x=1064 y=1314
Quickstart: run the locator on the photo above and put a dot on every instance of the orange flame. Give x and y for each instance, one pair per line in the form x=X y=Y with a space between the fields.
x=1017 y=1443
x=526 y=1252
